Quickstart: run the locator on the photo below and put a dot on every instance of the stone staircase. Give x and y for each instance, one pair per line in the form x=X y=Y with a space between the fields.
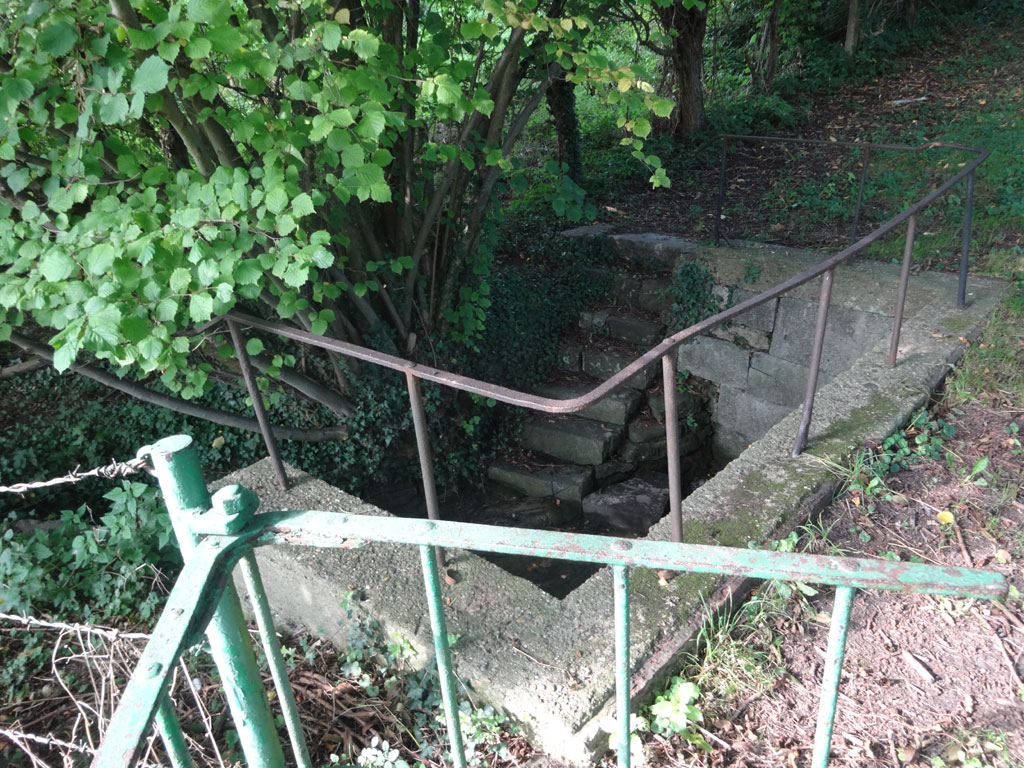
x=605 y=468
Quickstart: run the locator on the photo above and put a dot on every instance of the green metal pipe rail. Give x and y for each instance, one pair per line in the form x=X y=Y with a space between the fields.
x=218 y=532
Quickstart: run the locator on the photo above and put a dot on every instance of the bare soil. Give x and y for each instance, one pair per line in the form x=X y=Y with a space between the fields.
x=925 y=677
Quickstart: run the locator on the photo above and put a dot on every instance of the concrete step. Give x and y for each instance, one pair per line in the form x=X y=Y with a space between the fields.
x=687 y=404
x=636 y=290
x=572 y=439
x=640 y=332
x=604 y=362
x=566 y=484
x=633 y=506
x=616 y=408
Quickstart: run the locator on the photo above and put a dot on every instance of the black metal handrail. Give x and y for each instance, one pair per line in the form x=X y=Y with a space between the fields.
x=415 y=372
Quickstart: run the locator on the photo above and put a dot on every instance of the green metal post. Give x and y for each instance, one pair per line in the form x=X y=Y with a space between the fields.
x=176 y=465
x=170 y=733
x=621 y=577
x=837 y=630
x=272 y=649
x=444 y=656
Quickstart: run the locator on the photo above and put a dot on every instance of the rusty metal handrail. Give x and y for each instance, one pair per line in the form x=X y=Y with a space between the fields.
x=415 y=372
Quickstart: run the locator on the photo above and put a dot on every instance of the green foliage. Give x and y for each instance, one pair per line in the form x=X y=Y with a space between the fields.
x=78 y=569
x=692 y=295
x=164 y=163
x=674 y=713
x=381 y=667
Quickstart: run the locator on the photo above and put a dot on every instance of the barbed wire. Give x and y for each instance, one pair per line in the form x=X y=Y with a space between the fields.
x=49 y=741
x=112 y=471
x=105 y=632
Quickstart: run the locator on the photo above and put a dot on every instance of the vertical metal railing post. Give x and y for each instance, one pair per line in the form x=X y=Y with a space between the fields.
x=176 y=466
x=257 y=404
x=272 y=650
x=675 y=483
x=445 y=671
x=812 y=375
x=837 y=631
x=965 y=243
x=419 y=422
x=169 y=728
x=621 y=598
x=901 y=292
x=720 y=203
x=866 y=158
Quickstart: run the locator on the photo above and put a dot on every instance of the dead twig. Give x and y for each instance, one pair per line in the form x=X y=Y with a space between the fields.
x=963 y=547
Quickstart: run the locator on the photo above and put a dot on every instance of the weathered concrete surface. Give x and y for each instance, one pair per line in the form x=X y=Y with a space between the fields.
x=562 y=697
x=567 y=484
x=571 y=439
x=605 y=363
x=617 y=408
x=634 y=505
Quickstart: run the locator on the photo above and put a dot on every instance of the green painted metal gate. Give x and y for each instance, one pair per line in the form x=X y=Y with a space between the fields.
x=219 y=533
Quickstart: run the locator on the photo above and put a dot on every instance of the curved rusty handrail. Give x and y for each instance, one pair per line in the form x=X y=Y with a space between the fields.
x=414 y=372
x=571 y=405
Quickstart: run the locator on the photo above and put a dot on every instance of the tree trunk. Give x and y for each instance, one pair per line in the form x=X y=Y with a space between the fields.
x=852 y=27
x=561 y=97
x=686 y=27
x=766 y=63
x=910 y=13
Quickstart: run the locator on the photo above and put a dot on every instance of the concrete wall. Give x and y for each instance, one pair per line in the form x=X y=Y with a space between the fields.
x=760 y=363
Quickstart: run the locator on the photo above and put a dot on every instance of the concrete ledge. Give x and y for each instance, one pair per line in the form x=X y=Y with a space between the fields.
x=563 y=688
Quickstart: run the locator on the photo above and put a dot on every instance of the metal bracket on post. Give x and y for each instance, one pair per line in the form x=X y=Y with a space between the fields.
x=176 y=466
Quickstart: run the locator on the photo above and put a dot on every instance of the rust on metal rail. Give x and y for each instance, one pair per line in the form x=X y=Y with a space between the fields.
x=662 y=351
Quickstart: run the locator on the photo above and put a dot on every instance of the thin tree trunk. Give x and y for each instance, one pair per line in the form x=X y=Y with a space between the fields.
x=852 y=27
x=686 y=27
x=561 y=97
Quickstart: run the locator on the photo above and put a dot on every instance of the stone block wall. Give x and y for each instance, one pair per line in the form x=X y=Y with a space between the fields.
x=760 y=363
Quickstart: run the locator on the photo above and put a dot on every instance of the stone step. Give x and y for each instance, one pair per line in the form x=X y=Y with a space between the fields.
x=647 y=445
x=572 y=439
x=616 y=408
x=640 y=332
x=687 y=403
x=566 y=484
x=604 y=362
x=651 y=294
x=634 y=505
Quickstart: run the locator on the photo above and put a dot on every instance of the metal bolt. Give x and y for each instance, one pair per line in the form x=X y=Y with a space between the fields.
x=154 y=669
x=622 y=545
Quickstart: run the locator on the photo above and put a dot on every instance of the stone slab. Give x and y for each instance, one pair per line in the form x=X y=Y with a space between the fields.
x=568 y=484
x=715 y=360
x=635 y=331
x=662 y=251
x=603 y=364
x=612 y=472
x=616 y=408
x=570 y=357
x=779 y=381
x=687 y=404
x=761 y=317
x=750 y=416
x=634 y=505
x=863 y=285
x=849 y=333
x=748 y=338
x=654 y=296
x=574 y=440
